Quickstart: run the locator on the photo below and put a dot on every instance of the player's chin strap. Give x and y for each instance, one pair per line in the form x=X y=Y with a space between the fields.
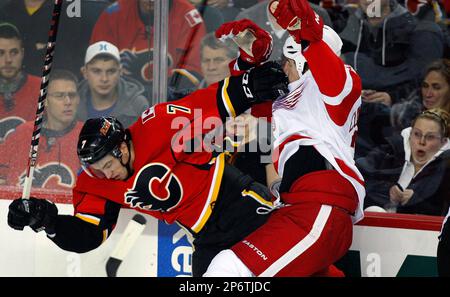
x=127 y=166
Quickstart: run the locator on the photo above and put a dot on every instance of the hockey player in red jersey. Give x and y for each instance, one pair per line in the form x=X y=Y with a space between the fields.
x=314 y=129
x=157 y=167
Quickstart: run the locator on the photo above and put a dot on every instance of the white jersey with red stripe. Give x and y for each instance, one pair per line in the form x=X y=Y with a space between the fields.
x=321 y=110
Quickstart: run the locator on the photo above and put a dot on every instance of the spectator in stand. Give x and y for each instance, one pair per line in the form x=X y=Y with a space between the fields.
x=215 y=57
x=389 y=49
x=434 y=93
x=105 y=92
x=338 y=11
x=260 y=15
x=429 y=10
x=3 y=2
x=410 y=174
x=32 y=18
x=128 y=24
x=393 y=45
x=57 y=163
x=18 y=90
x=231 y=8
x=211 y=15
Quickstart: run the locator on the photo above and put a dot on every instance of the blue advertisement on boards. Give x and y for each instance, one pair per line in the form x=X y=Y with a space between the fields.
x=174 y=251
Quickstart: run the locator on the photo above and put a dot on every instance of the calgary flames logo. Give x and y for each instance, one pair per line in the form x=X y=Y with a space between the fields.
x=139 y=64
x=52 y=176
x=7 y=125
x=155 y=188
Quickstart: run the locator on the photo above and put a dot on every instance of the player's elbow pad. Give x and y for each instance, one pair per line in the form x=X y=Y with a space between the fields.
x=76 y=235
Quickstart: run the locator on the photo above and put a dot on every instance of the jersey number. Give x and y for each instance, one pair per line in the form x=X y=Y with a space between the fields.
x=155 y=188
x=172 y=109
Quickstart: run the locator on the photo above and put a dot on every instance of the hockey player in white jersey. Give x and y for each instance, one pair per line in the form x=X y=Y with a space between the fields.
x=314 y=129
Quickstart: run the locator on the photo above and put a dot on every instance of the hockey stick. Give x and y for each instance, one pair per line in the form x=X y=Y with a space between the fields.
x=131 y=233
x=42 y=96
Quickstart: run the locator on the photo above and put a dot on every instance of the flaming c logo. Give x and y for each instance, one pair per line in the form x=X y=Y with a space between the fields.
x=155 y=188
x=51 y=175
x=7 y=125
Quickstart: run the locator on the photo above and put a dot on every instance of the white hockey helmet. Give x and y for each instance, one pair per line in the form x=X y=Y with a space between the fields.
x=293 y=50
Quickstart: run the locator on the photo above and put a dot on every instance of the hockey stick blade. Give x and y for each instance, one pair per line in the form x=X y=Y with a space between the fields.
x=126 y=242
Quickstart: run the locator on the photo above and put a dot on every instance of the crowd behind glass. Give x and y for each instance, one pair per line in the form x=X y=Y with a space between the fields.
x=103 y=66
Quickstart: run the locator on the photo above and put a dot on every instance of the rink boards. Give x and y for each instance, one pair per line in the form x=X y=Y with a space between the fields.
x=383 y=245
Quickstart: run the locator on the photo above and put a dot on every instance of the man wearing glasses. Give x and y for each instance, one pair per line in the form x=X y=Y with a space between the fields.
x=57 y=163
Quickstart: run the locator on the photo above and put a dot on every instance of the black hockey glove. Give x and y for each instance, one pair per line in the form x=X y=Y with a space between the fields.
x=266 y=82
x=39 y=214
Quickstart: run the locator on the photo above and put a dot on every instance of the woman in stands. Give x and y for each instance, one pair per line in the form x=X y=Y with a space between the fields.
x=434 y=93
x=410 y=174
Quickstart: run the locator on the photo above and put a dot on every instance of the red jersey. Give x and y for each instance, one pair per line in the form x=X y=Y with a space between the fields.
x=121 y=25
x=25 y=104
x=57 y=163
x=168 y=182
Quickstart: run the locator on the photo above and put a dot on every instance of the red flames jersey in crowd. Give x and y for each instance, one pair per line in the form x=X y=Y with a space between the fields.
x=57 y=163
x=167 y=183
x=25 y=105
x=121 y=25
